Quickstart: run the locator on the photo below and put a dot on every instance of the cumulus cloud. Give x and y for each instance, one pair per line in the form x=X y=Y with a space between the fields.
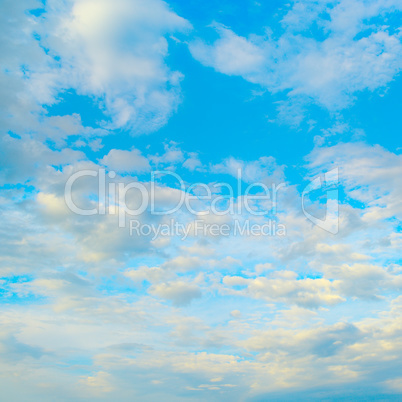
x=150 y=274
x=33 y=158
x=112 y=51
x=287 y=288
x=173 y=155
x=180 y=293
x=352 y=55
x=193 y=162
x=264 y=170
x=115 y=51
x=230 y=54
x=122 y=161
x=370 y=174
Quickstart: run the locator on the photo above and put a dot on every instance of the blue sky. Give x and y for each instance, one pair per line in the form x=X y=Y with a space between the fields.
x=304 y=303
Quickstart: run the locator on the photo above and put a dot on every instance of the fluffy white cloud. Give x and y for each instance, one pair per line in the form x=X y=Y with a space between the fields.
x=123 y=161
x=264 y=170
x=115 y=51
x=180 y=293
x=231 y=54
x=370 y=174
x=26 y=158
x=286 y=288
x=352 y=56
x=193 y=162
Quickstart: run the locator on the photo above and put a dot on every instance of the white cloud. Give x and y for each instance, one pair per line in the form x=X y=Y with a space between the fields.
x=193 y=162
x=310 y=293
x=98 y=384
x=180 y=293
x=122 y=161
x=183 y=263
x=115 y=51
x=352 y=56
x=25 y=158
x=150 y=274
x=231 y=54
x=394 y=385
x=264 y=170
x=173 y=155
x=370 y=174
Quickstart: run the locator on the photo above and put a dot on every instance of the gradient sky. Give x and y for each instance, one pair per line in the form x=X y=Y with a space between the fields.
x=283 y=91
